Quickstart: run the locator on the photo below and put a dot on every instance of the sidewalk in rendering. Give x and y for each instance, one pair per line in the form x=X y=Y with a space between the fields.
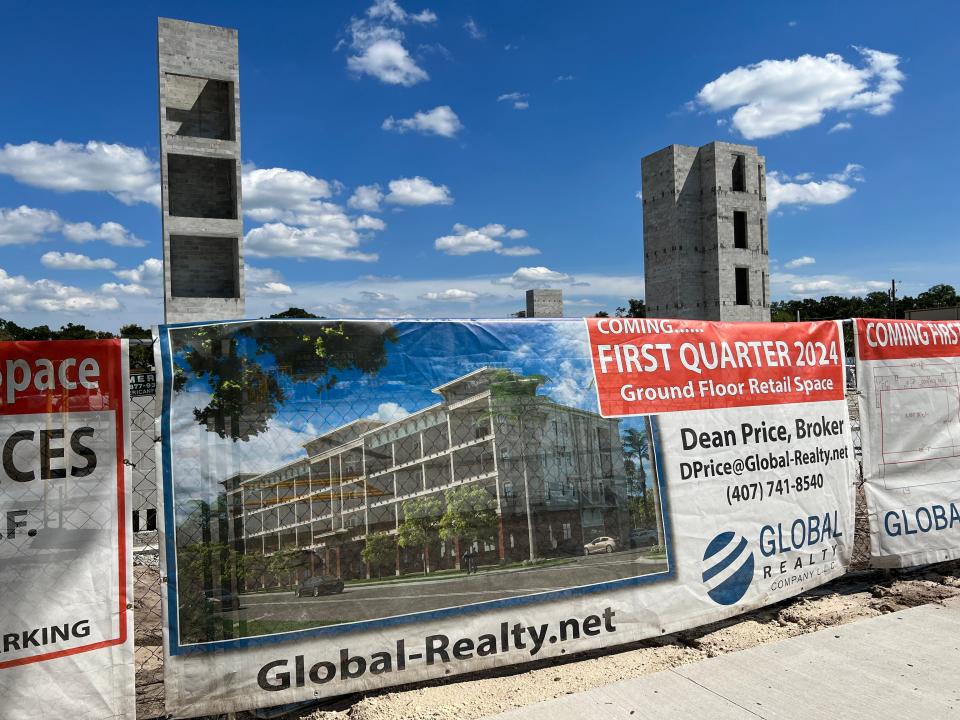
x=904 y=665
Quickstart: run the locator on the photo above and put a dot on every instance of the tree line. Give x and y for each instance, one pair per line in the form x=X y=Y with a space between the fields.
x=880 y=304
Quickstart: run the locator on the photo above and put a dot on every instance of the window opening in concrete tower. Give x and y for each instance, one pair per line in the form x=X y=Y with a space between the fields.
x=199 y=107
x=740 y=229
x=739 y=180
x=742 y=276
x=202 y=187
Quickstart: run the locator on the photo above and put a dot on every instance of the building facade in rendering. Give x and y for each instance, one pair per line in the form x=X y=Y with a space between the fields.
x=553 y=474
x=706 y=254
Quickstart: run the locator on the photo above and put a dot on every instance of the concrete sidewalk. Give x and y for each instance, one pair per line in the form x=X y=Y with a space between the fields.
x=903 y=665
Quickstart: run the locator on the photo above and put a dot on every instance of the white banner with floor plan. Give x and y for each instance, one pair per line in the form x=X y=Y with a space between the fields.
x=350 y=504
x=908 y=376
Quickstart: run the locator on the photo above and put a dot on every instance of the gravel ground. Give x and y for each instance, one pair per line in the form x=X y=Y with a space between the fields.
x=856 y=596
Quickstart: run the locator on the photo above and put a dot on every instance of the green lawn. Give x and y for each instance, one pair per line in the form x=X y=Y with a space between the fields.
x=269 y=627
x=445 y=574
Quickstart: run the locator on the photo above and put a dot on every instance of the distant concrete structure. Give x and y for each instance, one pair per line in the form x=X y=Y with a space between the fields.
x=706 y=255
x=544 y=302
x=945 y=313
x=200 y=171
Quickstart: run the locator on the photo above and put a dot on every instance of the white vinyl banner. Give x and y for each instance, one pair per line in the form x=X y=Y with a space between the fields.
x=908 y=375
x=750 y=482
x=65 y=560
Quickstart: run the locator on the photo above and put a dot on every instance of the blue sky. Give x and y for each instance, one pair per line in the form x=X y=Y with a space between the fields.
x=521 y=168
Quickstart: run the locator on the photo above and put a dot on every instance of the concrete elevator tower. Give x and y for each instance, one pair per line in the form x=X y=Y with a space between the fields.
x=200 y=171
x=705 y=247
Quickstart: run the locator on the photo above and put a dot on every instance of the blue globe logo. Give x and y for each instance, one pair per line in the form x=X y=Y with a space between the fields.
x=728 y=568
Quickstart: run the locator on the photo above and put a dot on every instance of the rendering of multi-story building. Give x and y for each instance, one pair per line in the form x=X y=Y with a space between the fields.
x=553 y=474
x=706 y=255
x=199 y=80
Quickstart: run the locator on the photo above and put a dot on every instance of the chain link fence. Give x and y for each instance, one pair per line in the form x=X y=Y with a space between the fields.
x=148 y=624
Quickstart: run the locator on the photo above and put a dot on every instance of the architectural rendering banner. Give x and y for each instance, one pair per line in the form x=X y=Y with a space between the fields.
x=65 y=559
x=908 y=374
x=354 y=504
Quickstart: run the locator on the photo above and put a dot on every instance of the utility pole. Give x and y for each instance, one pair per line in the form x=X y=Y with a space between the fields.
x=893 y=299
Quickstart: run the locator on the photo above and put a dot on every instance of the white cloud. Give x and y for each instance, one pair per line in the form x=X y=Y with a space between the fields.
x=149 y=272
x=852 y=171
x=333 y=239
x=442 y=120
x=258 y=275
x=112 y=288
x=377 y=44
x=450 y=295
x=377 y=296
x=781 y=190
x=110 y=232
x=418 y=191
x=840 y=126
x=18 y=294
x=366 y=197
x=466 y=241
x=518 y=99
x=26 y=225
x=281 y=194
x=367 y=222
x=124 y=172
x=389 y=62
x=527 y=277
x=388 y=412
x=564 y=78
x=273 y=288
x=424 y=17
x=800 y=262
x=473 y=30
x=818 y=285
x=777 y=96
x=29 y=225
x=299 y=219
x=75 y=261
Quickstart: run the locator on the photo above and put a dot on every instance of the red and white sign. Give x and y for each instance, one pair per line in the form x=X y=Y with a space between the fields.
x=907 y=339
x=645 y=365
x=65 y=560
x=908 y=375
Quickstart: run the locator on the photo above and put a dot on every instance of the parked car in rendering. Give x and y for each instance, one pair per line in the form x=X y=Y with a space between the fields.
x=220 y=600
x=600 y=545
x=317 y=585
x=640 y=538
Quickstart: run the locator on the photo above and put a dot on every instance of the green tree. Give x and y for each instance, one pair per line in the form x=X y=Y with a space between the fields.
x=293 y=313
x=938 y=296
x=420 y=526
x=471 y=515
x=378 y=549
x=636 y=450
x=634 y=309
x=244 y=367
x=141 y=356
